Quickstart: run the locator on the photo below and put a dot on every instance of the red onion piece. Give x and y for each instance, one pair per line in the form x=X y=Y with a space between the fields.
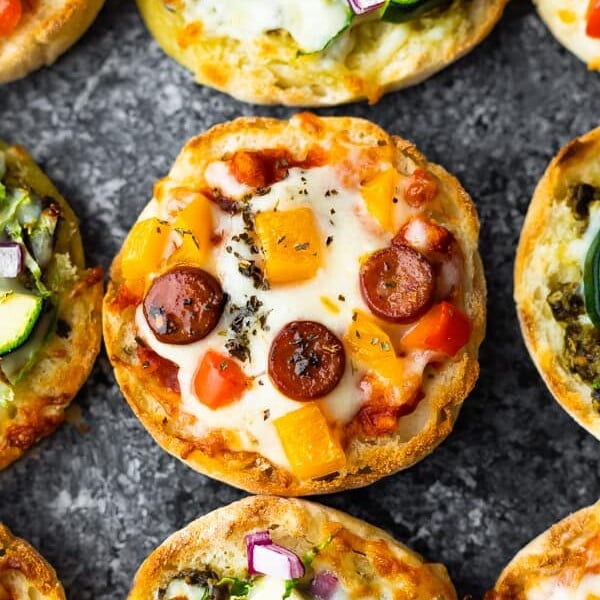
x=275 y=560
x=11 y=259
x=257 y=538
x=324 y=585
x=361 y=7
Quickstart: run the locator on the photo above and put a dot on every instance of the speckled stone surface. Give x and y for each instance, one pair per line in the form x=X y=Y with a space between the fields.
x=107 y=121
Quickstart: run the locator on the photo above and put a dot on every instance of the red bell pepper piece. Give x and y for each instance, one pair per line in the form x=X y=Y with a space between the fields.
x=10 y=15
x=219 y=380
x=444 y=328
x=593 y=19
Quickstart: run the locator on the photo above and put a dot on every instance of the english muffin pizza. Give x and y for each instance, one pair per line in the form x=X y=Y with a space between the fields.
x=557 y=279
x=563 y=563
x=24 y=574
x=266 y=548
x=34 y=33
x=576 y=25
x=317 y=52
x=298 y=309
x=50 y=305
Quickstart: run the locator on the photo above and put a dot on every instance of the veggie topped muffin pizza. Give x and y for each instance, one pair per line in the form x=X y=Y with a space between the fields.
x=562 y=563
x=50 y=305
x=557 y=279
x=576 y=25
x=298 y=308
x=317 y=52
x=24 y=574
x=266 y=548
x=34 y=33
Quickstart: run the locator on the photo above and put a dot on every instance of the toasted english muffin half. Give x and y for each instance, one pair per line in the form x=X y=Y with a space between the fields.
x=50 y=313
x=270 y=66
x=45 y=30
x=560 y=563
x=567 y=20
x=561 y=225
x=249 y=323
x=24 y=574
x=331 y=554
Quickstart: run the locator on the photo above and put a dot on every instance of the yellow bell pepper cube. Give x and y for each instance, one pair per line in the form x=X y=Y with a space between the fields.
x=309 y=445
x=143 y=252
x=370 y=346
x=378 y=194
x=291 y=244
x=192 y=229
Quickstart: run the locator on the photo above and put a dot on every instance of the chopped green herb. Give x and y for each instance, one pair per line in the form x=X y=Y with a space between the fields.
x=237 y=587
x=290 y=584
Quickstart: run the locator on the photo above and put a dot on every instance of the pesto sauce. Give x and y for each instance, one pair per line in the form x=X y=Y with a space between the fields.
x=581 y=354
x=581 y=340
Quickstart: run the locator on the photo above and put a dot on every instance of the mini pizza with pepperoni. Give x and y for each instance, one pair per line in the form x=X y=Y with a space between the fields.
x=563 y=563
x=34 y=33
x=24 y=574
x=576 y=25
x=269 y=548
x=298 y=309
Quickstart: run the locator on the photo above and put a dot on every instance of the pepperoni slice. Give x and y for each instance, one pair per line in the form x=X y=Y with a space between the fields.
x=184 y=305
x=306 y=360
x=397 y=283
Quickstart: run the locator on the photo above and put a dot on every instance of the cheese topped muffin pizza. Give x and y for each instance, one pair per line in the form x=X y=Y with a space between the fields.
x=557 y=279
x=317 y=52
x=50 y=305
x=34 y=33
x=563 y=563
x=298 y=308
x=576 y=25
x=24 y=574
x=266 y=548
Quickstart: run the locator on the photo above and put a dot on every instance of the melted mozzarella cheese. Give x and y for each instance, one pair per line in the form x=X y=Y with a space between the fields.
x=553 y=589
x=217 y=174
x=179 y=589
x=312 y=23
x=343 y=216
x=272 y=588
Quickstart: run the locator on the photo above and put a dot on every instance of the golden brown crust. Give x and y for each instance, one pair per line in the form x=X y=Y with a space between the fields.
x=270 y=71
x=540 y=263
x=566 y=551
x=368 y=458
x=45 y=31
x=357 y=552
x=24 y=574
x=64 y=363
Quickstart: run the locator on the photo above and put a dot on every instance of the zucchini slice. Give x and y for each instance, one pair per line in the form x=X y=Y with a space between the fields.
x=18 y=315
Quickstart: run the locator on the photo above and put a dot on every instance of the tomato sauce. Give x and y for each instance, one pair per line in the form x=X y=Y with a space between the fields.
x=164 y=370
x=259 y=169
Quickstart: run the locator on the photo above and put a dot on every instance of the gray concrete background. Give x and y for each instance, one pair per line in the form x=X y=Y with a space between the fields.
x=109 y=118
